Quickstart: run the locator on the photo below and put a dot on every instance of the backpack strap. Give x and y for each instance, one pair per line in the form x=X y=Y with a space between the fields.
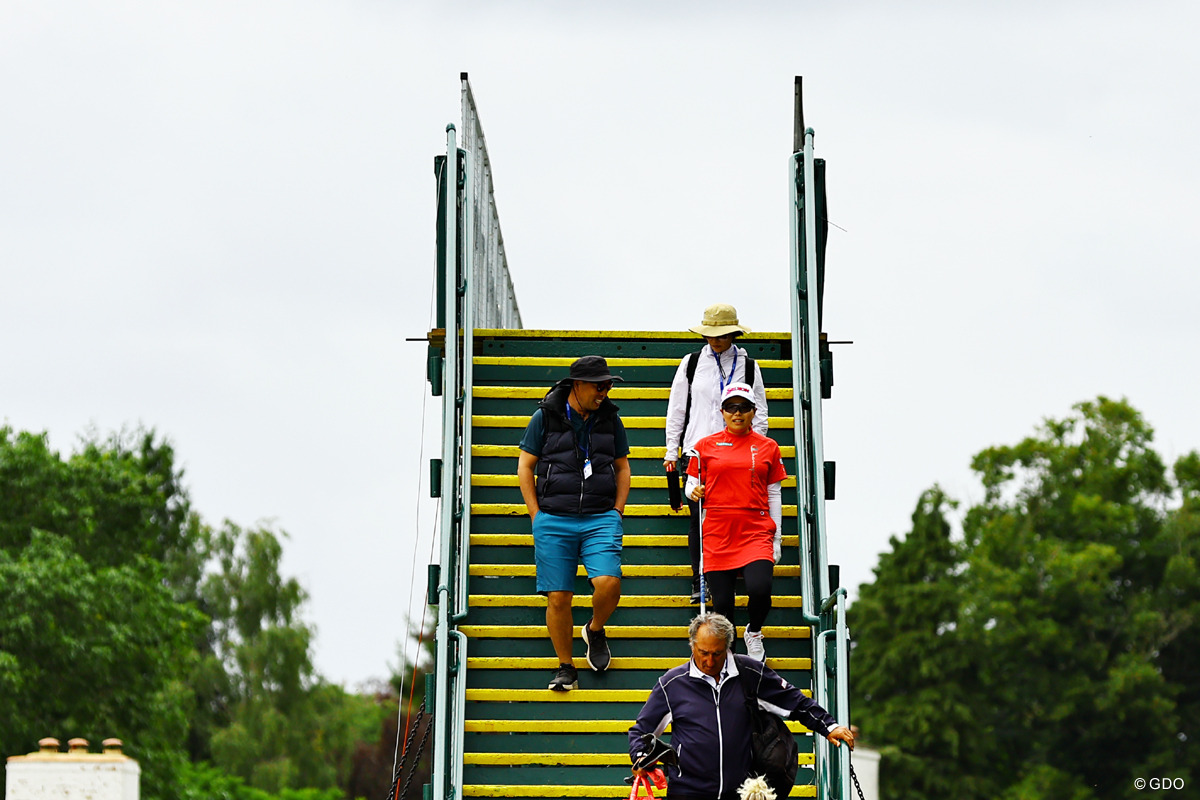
x=693 y=360
x=750 y=365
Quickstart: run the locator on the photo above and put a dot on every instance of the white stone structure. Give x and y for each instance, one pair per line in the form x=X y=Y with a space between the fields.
x=50 y=774
x=866 y=767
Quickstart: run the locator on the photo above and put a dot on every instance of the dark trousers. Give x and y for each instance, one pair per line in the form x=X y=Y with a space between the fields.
x=694 y=536
x=758 y=575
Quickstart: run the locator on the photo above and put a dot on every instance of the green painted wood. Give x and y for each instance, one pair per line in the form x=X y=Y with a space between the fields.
x=541 y=707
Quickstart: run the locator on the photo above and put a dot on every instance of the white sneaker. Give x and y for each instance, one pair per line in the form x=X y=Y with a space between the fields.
x=754 y=645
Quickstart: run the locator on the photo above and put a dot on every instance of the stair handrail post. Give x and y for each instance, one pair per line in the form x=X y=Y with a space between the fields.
x=468 y=368
x=842 y=685
x=813 y=353
x=463 y=528
x=441 y=753
x=807 y=588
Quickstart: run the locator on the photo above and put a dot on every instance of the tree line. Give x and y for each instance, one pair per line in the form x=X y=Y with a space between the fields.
x=123 y=613
x=1051 y=650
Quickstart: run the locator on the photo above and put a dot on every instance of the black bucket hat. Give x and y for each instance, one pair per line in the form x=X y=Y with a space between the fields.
x=593 y=369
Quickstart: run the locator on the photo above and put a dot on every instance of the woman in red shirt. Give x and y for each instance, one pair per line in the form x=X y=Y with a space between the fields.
x=738 y=473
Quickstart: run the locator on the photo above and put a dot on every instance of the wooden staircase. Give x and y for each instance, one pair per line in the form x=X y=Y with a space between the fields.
x=522 y=740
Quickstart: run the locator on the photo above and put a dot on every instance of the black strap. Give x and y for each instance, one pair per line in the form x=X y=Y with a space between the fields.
x=693 y=360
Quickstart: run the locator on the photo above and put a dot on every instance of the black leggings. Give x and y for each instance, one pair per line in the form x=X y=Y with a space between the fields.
x=758 y=576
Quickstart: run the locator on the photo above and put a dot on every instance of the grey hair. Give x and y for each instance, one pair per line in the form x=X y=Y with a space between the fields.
x=716 y=623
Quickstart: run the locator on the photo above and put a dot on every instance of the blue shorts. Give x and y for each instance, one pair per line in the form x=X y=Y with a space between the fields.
x=560 y=542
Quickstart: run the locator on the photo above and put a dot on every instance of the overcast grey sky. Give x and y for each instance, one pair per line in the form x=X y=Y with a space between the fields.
x=216 y=219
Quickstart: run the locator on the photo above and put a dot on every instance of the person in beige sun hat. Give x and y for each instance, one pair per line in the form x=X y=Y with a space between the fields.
x=720 y=320
x=694 y=408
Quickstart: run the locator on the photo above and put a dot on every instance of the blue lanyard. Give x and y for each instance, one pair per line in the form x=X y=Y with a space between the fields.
x=721 y=372
x=587 y=429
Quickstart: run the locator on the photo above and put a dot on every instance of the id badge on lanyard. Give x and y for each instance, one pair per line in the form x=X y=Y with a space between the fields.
x=587 y=460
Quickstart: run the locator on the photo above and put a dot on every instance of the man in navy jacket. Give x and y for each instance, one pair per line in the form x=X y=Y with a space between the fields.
x=704 y=702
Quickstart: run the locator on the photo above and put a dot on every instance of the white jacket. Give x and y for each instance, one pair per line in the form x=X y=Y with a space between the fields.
x=706 y=396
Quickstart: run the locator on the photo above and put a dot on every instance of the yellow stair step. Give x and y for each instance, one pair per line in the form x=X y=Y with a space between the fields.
x=616 y=393
x=619 y=790
x=512 y=451
x=573 y=696
x=627 y=570
x=569 y=725
x=635 y=481
x=627 y=601
x=551 y=333
x=514 y=421
x=613 y=363
x=622 y=631
x=654 y=663
x=647 y=510
x=569 y=759
x=629 y=540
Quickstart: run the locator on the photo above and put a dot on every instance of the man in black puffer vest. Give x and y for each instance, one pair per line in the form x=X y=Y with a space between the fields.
x=576 y=446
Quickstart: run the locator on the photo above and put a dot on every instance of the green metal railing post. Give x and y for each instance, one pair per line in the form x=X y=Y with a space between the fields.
x=449 y=236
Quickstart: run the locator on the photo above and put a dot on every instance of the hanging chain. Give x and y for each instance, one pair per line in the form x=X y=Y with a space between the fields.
x=856 y=783
x=404 y=754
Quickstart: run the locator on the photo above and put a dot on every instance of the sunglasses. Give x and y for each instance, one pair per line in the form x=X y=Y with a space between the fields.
x=602 y=386
x=737 y=408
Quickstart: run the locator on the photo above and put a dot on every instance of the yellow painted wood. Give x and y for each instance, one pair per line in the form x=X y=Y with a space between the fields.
x=627 y=570
x=663 y=664
x=644 y=510
x=569 y=759
x=618 y=790
x=512 y=451
x=547 y=725
x=627 y=601
x=569 y=726
x=546 y=695
x=621 y=632
x=547 y=333
x=616 y=393
x=630 y=540
x=515 y=421
x=614 y=363
x=636 y=481
x=549 y=759
x=574 y=696
x=526 y=540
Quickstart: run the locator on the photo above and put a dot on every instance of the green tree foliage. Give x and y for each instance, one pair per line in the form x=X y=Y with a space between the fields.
x=93 y=652
x=1050 y=653
x=123 y=614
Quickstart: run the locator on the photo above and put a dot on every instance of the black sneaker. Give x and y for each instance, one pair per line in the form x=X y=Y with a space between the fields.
x=695 y=591
x=566 y=679
x=598 y=656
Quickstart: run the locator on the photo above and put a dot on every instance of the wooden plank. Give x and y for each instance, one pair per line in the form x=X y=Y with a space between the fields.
x=615 y=363
x=512 y=451
x=642 y=510
x=627 y=601
x=615 y=394
x=557 y=790
x=621 y=632
x=520 y=421
x=627 y=570
x=548 y=333
x=636 y=481
x=569 y=726
x=571 y=759
x=663 y=664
